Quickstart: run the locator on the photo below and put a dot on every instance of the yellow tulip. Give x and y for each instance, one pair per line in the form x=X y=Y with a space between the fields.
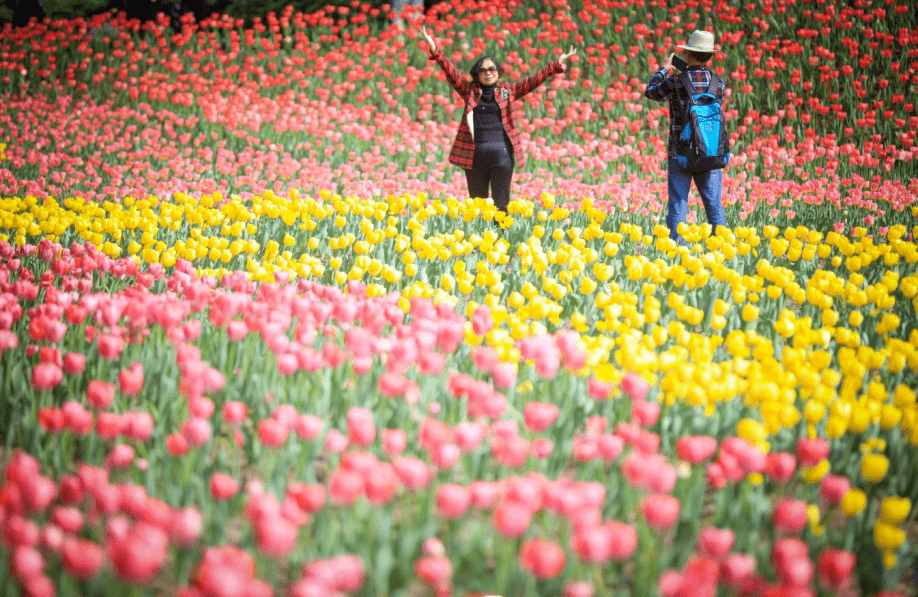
x=886 y=536
x=814 y=474
x=750 y=313
x=854 y=502
x=874 y=467
x=894 y=510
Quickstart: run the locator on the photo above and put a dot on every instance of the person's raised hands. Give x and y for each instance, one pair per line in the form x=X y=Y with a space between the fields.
x=429 y=39
x=565 y=56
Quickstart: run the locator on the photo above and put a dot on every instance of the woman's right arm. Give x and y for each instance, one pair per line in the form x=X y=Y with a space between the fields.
x=455 y=78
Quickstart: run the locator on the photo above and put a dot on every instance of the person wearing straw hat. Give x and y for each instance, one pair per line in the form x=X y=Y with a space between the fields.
x=666 y=87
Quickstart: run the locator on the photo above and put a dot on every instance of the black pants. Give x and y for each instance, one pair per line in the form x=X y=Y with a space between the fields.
x=492 y=165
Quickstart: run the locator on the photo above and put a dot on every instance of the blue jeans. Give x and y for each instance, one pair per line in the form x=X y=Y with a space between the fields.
x=709 y=185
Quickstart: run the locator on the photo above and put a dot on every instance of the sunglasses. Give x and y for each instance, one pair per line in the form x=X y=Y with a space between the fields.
x=490 y=69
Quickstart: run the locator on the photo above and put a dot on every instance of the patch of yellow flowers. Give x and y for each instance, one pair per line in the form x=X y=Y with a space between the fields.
x=804 y=327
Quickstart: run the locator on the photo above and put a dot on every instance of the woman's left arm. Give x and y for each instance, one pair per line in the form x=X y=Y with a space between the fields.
x=527 y=85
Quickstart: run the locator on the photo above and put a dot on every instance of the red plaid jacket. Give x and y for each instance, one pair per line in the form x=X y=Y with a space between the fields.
x=463 y=150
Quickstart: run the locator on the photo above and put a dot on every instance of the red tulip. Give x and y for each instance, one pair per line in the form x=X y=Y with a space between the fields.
x=812 y=451
x=46 y=376
x=74 y=363
x=82 y=558
x=836 y=568
x=543 y=559
x=310 y=497
x=223 y=486
x=139 y=554
x=833 y=488
x=715 y=543
x=433 y=570
x=234 y=412
x=695 y=449
x=130 y=381
x=780 y=466
x=790 y=515
x=736 y=569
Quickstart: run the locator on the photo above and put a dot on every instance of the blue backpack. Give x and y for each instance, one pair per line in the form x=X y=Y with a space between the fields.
x=704 y=143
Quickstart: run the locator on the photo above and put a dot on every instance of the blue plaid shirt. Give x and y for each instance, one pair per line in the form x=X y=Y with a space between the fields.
x=661 y=88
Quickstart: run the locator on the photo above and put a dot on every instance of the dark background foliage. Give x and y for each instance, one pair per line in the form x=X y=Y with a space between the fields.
x=19 y=12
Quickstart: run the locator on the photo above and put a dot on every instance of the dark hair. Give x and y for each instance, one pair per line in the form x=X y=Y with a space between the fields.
x=476 y=68
x=702 y=57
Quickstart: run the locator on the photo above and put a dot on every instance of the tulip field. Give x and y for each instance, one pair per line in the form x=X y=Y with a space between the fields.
x=256 y=339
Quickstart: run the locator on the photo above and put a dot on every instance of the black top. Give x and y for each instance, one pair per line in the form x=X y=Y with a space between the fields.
x=488 y=124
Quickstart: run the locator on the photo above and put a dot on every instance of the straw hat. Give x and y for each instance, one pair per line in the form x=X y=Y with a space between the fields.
x=700 y=41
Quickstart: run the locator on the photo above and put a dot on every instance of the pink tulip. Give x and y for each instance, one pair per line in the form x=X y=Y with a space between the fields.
x=453 y=500
x=512 y=450
x=275 y=536
x=345 y=486
x=661 y=510
x=512 y=518
x=100 y=394
x=468 y=435
x=186 y=526
x=412 y=472
x=381 y=484
x=394 y=441
x=26 y=562
x=360 y=426
x=196 y=431
x=634 y=386
x=484 y=493
x=539 y=415
x=308 y=427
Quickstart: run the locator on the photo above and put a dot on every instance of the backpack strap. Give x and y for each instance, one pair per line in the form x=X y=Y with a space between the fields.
x=715 y=85
x=686 y=79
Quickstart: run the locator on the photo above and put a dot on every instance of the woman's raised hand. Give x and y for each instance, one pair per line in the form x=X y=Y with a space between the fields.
x=565 y=56
x=430 y=40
